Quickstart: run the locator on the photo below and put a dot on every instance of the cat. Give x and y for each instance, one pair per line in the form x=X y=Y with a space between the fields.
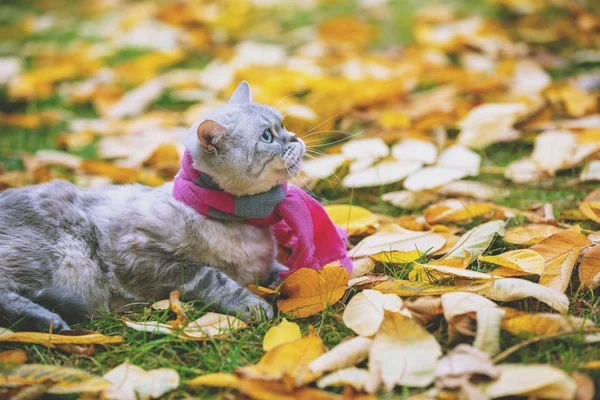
x=67 y=252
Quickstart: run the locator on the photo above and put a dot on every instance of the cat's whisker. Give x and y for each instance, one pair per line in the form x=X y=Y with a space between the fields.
x=330 y=131
x=285 y=98
x=318 y=125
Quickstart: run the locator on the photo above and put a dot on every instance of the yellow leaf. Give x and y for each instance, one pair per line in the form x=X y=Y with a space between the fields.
x=176 y=307
x=115 y=172
x=364 y=312
x=13 y=356
x=589 y=268
x=557 y=273
x=434 y=273
x=347 y=30
x=576 y=102
x=590 y=206
x=64 y=380
x=356 y=220
x=560 y=244
x=288 y=361
x=346 y=354
x=218 y=379
x=401 y=246
x=530 y=234
x=261 y=291
x=309 y=291
x=456 y=211
x=531 y=380
x=516 y=321
x=268 y=390
x=512 y=289
x=403 y=353
x=53 y=339
x=591 y=365
x=524 y=260
x=212 y=325
x=474 y=242
x=408 y=288
x=147 y=66
x=282 y=333
x=395 y=119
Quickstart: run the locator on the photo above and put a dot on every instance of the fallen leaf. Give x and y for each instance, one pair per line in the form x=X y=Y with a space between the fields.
x=381 y=174
x=217 y=379
x=476 y=241
x=524 y=170
x=524 y=260
x=434 y=273
x=403 y=353
x=324 y=166
x=531 y=380
x=13 y=356
x=211 y=325
x=530 y=234
x=364 y=312
x=516 y=321
x=64 y=380
x=288 y=361
x=131 y=381
x=462 y=363
x=559 y=244
x=460 y=303
x=361 y=267
x=585 y=386
x=356 y=220
x=590 y=206
x=424 y=309
x=355 y=377
x=346 y=354
x=405 y=288
x=402 y=246
x=150 y=327
x=309 y=291
x=487 y=337
x=414 y=150
x=474 y=189
x=177 y=308
x=557 y=273
x=453 y=210
x=161 y=305
x=409 y=200
x=554 y=150
x=365 y=148
x=56 y=339
x=589 y=269
x=284 y=332
x=512 y=289
x=490 y=123
x=269 y=390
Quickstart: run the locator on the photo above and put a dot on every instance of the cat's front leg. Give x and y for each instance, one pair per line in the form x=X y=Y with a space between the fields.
x=272 y=280
x=214 y=287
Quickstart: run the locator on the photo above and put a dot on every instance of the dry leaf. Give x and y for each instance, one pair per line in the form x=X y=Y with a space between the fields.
x=403 y=353
x=532 y=380
x=355 y=377
x=460 y=303
x=217 y=379
x=453 y=210
x=64 y=380
x=381 y=174
x=322 y=167
x=361 y=267
x=487 y=337
x=288 y=361
x=530 y=234
x=309 y=291
x=211 y=325
x=460 y=364
x=524 y=260
x=516 y=321
x=13 y=356
x=401 y=246
x=414 y=150
x=365 y=148
x=589 y=268
x=554 y=150
x=490 y=123
x=557 y=273
x=434 y=273
x=268 y=390
x=346 y=354
x=409 y=200
x=476 y=190
x=356 y=220
x=405 y=288
x=364 y=312
x=559 y=244
x=56 y=339
x=476 y=241
x=177 y=308
x=424 y=309
x=590 y=206
x=512 y=289
x=283 y=333
x=130 y=381
x=585 y=386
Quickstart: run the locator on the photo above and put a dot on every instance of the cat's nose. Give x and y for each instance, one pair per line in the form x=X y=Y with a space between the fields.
x=293 y=137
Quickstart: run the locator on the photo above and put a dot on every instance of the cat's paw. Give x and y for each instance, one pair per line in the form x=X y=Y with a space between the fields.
x=49 y=321
x=256 y=309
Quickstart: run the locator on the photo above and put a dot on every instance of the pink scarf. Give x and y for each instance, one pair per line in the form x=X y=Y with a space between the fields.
x=298 y=220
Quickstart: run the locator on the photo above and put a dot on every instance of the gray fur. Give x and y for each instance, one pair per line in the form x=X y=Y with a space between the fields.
x=87 y=250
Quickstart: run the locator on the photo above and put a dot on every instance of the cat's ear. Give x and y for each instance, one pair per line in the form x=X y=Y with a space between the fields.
x=209 y=134
x=242 y=94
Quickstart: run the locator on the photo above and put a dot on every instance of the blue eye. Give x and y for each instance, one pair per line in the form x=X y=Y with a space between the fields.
x=267 y=136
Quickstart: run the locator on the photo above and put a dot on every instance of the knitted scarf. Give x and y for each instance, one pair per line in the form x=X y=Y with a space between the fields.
x=299 y=221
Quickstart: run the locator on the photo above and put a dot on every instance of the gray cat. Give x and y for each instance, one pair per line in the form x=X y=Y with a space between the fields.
x=66 y=251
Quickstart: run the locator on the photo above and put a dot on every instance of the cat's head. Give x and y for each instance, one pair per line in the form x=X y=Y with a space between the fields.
x=244 y=146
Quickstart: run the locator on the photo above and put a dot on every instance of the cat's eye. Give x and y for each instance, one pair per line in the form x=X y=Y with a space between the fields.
x=267 y=136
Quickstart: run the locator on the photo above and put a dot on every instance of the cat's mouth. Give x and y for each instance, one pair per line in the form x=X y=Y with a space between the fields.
x=292 y=159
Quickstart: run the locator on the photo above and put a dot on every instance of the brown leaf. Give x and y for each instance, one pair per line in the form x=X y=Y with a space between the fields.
x=176 y=307
x=424 y=309
x=462 y=363
x=560 y=244
x=13 y=356
x=585 y=387
x=557 y=273
x=589 y=268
